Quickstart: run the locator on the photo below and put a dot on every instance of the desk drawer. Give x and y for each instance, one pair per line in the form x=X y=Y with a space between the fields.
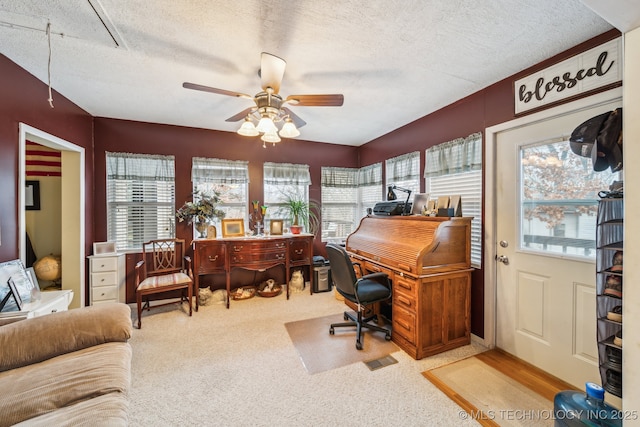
x=104 y=279
x=404 y=323
x=210 y=257
x=104 y=293
x=405 y=286
x=104 y=264
x=404 y=300
x=370 y=267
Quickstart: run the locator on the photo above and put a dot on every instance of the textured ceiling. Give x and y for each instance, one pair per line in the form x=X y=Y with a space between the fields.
x=395 y=60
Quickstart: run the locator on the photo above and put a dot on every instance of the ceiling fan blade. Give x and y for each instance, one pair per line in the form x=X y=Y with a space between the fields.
x=195 y=86
x=271 y=71
x=295 y=118
x=334 y=100
x=241 y=115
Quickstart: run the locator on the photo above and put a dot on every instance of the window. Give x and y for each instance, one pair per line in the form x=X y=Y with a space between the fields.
x=404 y=172
x=347 y=193
x=559 y=200
x=339 y=202
x=455 y=168
x=227 y=177
x=282 y=180
x=140 y=199
x=369 y=188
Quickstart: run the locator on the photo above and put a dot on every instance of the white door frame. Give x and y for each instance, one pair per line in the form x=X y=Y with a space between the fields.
x=490 y=240
x=73 y=206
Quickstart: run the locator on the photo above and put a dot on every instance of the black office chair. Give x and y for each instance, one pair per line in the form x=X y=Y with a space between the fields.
x=367 y=290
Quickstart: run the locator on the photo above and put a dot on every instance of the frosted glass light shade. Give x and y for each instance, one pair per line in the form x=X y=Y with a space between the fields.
x=266 y=125
x=289 y=130
x=248 y=129
x=271 y=137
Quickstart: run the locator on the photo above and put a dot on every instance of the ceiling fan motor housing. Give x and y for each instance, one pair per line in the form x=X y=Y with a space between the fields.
x=268 y=104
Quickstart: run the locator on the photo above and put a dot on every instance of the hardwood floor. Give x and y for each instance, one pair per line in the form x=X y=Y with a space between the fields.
x=526 y=374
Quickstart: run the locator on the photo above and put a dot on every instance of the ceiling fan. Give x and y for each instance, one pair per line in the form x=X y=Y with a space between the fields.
x=269 y=106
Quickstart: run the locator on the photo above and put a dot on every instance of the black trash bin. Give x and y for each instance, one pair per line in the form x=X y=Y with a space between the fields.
x=321 y=275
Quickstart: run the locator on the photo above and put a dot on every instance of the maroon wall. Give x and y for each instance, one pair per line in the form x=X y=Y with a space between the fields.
x=23 y=98
x=485 y=108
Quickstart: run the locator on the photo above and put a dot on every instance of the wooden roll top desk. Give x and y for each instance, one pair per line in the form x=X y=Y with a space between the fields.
x=428 y=260
x=253 y=253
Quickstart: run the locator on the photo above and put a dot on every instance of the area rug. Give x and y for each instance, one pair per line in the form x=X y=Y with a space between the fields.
x=490 y=397
x=319 y=351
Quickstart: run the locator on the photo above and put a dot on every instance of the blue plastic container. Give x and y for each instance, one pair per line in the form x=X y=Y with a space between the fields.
x=574 y=408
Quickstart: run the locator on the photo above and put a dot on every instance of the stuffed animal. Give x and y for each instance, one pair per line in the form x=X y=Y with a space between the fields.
x=296 y=284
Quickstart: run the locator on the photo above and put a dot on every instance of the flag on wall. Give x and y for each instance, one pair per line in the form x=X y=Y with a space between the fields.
x=42 y=161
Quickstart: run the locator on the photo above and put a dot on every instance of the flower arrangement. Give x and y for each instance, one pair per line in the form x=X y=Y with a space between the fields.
x=202 y=209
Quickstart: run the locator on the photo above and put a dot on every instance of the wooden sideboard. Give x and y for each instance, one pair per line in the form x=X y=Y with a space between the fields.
x=428 y=262
x=252 y=253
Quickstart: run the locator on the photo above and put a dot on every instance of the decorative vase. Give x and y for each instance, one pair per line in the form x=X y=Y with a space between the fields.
x=295 y=229
x=201 y=228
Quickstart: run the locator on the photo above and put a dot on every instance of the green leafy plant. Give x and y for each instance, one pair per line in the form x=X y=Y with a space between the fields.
x=201 y=209
x=303 y=212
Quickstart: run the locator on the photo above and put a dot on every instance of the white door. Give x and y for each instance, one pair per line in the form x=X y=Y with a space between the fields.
x=545 y=227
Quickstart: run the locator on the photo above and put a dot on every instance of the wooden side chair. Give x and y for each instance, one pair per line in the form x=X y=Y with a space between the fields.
x=163 y=268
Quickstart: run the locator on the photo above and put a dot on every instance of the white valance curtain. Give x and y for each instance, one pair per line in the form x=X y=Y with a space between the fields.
x=370 y=175
x=340 y=177
x=219 y=171
x=286 y=174
x=140 y=167
x=404 y=168
x=459 y=155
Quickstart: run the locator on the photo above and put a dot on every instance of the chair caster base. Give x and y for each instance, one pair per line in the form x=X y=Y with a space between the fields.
x=387 y=337
x=358 y=345
x=332 y=331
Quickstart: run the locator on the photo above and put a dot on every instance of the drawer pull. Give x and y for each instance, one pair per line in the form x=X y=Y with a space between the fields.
x=102 y=294
x=101 y=265
x=213 y=259
x=404 y=285
x=280 y=245
x=238 y=248
x=280 y=256
x=299 y=251
x=102 y=280
x=403 y=300
x=404 y=324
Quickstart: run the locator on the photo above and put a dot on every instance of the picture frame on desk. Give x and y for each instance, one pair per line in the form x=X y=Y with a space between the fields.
x=104 y=248
x=233 y=227
x=276 y=227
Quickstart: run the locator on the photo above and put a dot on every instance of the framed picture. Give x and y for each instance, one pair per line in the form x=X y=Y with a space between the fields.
x=104 y=248
x=32 y=195
x=13 y=292
x=233 y=227
x=275 y=227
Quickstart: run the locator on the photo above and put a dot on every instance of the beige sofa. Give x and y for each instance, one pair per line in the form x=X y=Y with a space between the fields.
x=67 y=368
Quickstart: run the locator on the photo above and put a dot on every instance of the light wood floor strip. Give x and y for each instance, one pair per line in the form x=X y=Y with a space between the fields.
x=526 y=374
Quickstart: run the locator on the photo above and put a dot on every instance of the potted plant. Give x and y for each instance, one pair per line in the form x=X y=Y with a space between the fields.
x=201 y=211
x=303 y=213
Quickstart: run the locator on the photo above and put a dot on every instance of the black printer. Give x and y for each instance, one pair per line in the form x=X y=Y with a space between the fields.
x=391 y=207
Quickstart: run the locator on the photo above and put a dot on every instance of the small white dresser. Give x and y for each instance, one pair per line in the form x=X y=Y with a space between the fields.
x=107 y=279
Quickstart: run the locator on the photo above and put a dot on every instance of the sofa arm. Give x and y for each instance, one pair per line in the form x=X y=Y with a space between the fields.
x=41 y=338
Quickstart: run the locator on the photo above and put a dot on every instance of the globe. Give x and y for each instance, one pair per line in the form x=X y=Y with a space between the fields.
x=48 y=268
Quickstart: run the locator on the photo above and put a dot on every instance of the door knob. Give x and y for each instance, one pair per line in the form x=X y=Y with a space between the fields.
x=504 y=243
x=503 y=259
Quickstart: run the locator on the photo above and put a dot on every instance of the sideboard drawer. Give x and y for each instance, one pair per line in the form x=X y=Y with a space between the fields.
x=251 y=257
x=211 y=257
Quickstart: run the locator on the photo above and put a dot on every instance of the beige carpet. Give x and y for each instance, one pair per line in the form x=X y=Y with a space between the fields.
x=489 y=396
x=319 y=351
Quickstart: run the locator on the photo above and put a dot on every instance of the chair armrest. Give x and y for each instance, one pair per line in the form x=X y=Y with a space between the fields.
x=187 y=260
x=40 y=338
x=357 y=264
x=139 y=265
x=382 y=278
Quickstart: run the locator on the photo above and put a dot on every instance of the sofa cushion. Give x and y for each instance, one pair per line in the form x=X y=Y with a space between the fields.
x=109 y=410
x=34 y=340
x=66 y=380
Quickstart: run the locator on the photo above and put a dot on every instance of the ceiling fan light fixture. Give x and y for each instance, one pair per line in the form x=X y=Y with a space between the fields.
x=248 y=128
x=289 y=130
x=266 y=125
x=271 y=137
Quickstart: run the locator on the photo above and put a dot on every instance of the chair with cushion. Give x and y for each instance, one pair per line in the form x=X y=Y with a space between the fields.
x=163 y=268
x=366 y=290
